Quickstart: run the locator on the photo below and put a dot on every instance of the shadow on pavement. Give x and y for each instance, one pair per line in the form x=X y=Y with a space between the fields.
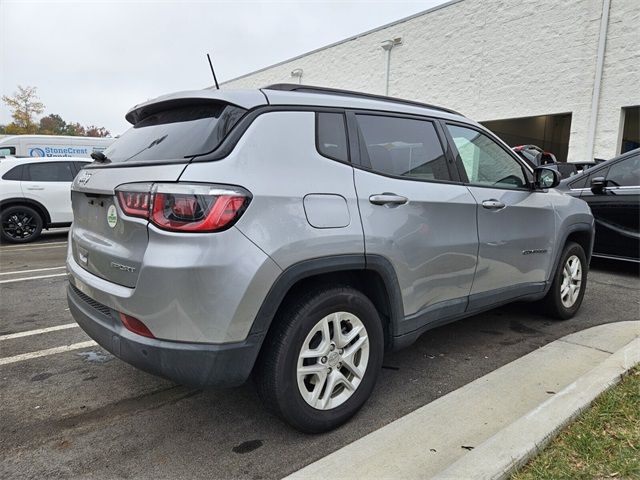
x=628 y=269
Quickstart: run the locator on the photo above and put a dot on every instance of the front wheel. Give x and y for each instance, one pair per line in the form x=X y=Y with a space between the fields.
x=567 y=290
x=321 y=362
x=20 y=224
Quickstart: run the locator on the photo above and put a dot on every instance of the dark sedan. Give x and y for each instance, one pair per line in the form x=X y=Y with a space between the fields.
x=612 y=190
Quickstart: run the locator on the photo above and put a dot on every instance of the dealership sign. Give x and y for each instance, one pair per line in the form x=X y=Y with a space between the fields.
x=61 y=151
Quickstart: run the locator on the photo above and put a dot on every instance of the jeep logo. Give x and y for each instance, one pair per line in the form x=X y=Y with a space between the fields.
x=83 y=178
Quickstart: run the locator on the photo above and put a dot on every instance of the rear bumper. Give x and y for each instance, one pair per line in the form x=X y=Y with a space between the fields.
x=194 y=364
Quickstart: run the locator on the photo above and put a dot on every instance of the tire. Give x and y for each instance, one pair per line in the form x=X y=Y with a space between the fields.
x=563 y=299
x=310 y=321
x=20 y=224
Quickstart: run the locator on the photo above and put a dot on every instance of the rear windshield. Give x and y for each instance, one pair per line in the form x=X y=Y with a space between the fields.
x=175 y=133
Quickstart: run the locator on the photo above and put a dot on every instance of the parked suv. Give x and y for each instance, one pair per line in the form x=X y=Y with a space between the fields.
x=297 y=233
x=35 y=194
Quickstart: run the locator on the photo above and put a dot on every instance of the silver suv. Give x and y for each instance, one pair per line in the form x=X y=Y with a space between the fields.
x=296 y=233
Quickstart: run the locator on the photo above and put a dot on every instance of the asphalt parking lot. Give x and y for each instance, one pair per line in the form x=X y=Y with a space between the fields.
x=83 y=413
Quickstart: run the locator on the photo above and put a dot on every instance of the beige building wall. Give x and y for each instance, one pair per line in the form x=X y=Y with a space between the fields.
x=493 y=59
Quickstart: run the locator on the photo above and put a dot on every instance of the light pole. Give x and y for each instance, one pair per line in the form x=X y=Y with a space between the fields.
x=387 y=46
x=297 y=73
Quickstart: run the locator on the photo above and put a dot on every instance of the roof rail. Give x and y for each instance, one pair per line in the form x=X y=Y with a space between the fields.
x=293 y=87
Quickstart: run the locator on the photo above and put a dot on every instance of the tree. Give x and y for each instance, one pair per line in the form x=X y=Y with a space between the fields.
x=75 y=129
x=24 y=106
x=52 y=124
x=93 y=131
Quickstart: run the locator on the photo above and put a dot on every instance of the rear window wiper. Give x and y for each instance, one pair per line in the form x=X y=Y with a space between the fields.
x=152 y=144
x=100 y=157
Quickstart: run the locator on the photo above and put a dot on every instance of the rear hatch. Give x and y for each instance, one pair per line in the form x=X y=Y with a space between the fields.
x=166 y=135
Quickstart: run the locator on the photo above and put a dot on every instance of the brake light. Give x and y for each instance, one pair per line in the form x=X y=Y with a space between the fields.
x=136 y=326
x=184 y=207
x=135 y=204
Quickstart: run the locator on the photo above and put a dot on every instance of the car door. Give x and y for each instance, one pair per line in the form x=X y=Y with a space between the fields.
x=616 y=208
x=415 y=213
x=49 y=183
x=516 y=225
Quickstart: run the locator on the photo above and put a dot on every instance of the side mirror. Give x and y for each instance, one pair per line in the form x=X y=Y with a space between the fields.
x=545 y=177
x=598 y=185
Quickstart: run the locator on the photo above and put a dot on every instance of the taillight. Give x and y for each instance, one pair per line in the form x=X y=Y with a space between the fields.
x=184 y=207
x=135 y=204
x=134 y=325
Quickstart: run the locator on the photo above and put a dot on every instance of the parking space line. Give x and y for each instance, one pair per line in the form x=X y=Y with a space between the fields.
x=47 y=352
x=30 y=271
x=29 y=249
x=14 y=247
x=12 y=280
x=27 y=333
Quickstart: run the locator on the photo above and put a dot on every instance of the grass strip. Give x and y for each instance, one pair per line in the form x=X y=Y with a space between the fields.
x=604 y=442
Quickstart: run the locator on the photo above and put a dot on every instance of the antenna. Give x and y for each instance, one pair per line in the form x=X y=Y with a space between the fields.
x=213 y=72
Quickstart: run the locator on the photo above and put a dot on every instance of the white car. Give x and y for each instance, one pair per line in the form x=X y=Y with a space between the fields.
x=35 y=193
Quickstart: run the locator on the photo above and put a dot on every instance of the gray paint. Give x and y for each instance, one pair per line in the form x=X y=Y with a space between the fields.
x=444 y=249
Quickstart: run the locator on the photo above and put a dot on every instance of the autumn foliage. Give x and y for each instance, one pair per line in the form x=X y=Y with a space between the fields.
x=25 y=106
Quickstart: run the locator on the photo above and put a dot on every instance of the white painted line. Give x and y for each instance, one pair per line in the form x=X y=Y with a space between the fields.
x=13 y=247
x=33 y=278
x=28 y=249
x=47 y=352
x=30 y=271
x=38 y=331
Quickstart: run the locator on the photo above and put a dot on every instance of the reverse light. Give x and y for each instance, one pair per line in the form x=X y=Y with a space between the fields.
x=184 y=207
x=134 y=325
x=135 y=204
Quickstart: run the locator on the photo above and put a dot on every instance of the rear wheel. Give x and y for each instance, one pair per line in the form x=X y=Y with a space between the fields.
x=20 y=224
x=567 y=290
x=321 y=362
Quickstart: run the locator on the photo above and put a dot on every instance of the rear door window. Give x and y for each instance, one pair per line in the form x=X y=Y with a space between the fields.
x=331 y=136
x=403 y=147
x=49 y=172
x=175 y=133
x=14 y=174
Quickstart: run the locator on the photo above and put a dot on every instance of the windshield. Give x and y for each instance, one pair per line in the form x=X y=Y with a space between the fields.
x=175 y=133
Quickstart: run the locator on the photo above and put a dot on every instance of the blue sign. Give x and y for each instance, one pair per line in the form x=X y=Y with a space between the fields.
x=59 y=151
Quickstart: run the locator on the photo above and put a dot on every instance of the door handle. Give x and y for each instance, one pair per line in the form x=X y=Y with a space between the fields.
x=388 y=199
x=35 y=188
x=493 y=204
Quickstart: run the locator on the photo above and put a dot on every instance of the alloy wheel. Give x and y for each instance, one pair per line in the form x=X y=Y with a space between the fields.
x=19 y=225
x=571 y=281
x=333 y=360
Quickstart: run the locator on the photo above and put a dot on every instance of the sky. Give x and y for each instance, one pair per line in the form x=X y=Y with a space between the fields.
x=93 y=60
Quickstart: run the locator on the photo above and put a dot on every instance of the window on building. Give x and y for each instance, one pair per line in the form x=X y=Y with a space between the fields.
x=332 y=136
x=49 y=172
x=630 y=129
x=549 y=132
x=485 y=162
x=402 y=147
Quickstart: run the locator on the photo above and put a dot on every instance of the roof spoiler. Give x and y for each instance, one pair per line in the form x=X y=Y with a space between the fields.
x=139 y=113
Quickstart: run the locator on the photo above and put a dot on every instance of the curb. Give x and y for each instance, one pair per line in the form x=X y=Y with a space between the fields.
x=508 y=450
x=491 y=426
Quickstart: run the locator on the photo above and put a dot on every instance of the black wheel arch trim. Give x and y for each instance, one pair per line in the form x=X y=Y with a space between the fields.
x=16 y=201
x=329 y=264
x=581 y=227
